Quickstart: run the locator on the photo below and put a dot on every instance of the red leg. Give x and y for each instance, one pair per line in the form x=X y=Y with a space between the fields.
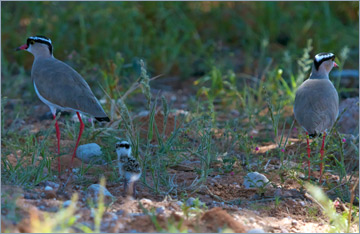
x=58 y=142
x=77 y=142
x=308 y=151
x=322 y=156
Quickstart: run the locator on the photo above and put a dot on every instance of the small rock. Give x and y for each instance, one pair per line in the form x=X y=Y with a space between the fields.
x=349 y=120
x=190 y=201
x=93 y=193
x=48 y=188
x=90 y=153
x=251 y=220
x=294 y=222
x=160 y=210
x=302 y=203
x=179 y=203
x=255 y=179
x=217 y=177
x=136 y=215
x=146 y=201
x=256 y=230
x=143 y=113
x=66 y=203
x=51 y=184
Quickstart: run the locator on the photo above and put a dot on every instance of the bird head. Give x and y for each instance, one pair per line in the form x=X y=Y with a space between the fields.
x=38 y=46
x=324 y=62
x=123 y=148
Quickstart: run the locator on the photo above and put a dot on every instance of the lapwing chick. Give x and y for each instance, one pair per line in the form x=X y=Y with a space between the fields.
x=60 y=87
x=129 y=167
x=316 y=104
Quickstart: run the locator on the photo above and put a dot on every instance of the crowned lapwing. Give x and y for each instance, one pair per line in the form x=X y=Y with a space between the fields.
x=60 y=87
x=129 y=167
x=317 y=102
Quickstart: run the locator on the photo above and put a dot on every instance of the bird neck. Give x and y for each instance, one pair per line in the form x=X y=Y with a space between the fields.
x=321 y=73
x=43 y=55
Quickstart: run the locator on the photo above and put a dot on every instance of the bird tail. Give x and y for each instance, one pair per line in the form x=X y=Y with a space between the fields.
x=101 y=119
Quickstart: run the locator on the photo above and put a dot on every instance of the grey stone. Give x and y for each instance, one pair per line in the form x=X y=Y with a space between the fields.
x=90 y=153
x=52 y=184
x=179 y=203
x=160 y=210
x=190 y=201
x=255 y=179
x=251 y=220
x=48 y=188
x=256 y=230
x=67 y=203
x=93 y=193
x=349 y=120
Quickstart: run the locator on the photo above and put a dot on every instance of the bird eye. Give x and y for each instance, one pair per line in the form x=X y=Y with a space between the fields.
x=32 y=42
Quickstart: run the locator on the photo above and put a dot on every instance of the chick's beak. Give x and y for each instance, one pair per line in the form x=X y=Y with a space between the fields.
x=23 y=47
x=335 y=65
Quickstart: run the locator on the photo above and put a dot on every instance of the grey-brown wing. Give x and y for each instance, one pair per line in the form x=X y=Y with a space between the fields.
x=60 y=84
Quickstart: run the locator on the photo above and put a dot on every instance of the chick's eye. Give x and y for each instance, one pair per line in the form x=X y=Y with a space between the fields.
x=32 y=42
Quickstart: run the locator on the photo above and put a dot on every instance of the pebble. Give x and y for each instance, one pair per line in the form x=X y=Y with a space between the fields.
x=48 y=188
x=146 y=201
x=190 y=201
x=302 y=203
x=180 y=203
x=294 y=222
x=93 y=192
x=349 y=120
x=51 y=184
x=66 y=203
x=256 y=230
x=255 y=179
x=90 y=153
x=251 y=220
x=160 y=210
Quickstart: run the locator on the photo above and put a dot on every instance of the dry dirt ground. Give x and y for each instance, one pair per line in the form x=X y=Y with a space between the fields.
x=227 y=204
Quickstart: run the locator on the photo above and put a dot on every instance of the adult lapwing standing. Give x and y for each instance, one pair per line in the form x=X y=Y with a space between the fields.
x=60 y=87
x=317 y=102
